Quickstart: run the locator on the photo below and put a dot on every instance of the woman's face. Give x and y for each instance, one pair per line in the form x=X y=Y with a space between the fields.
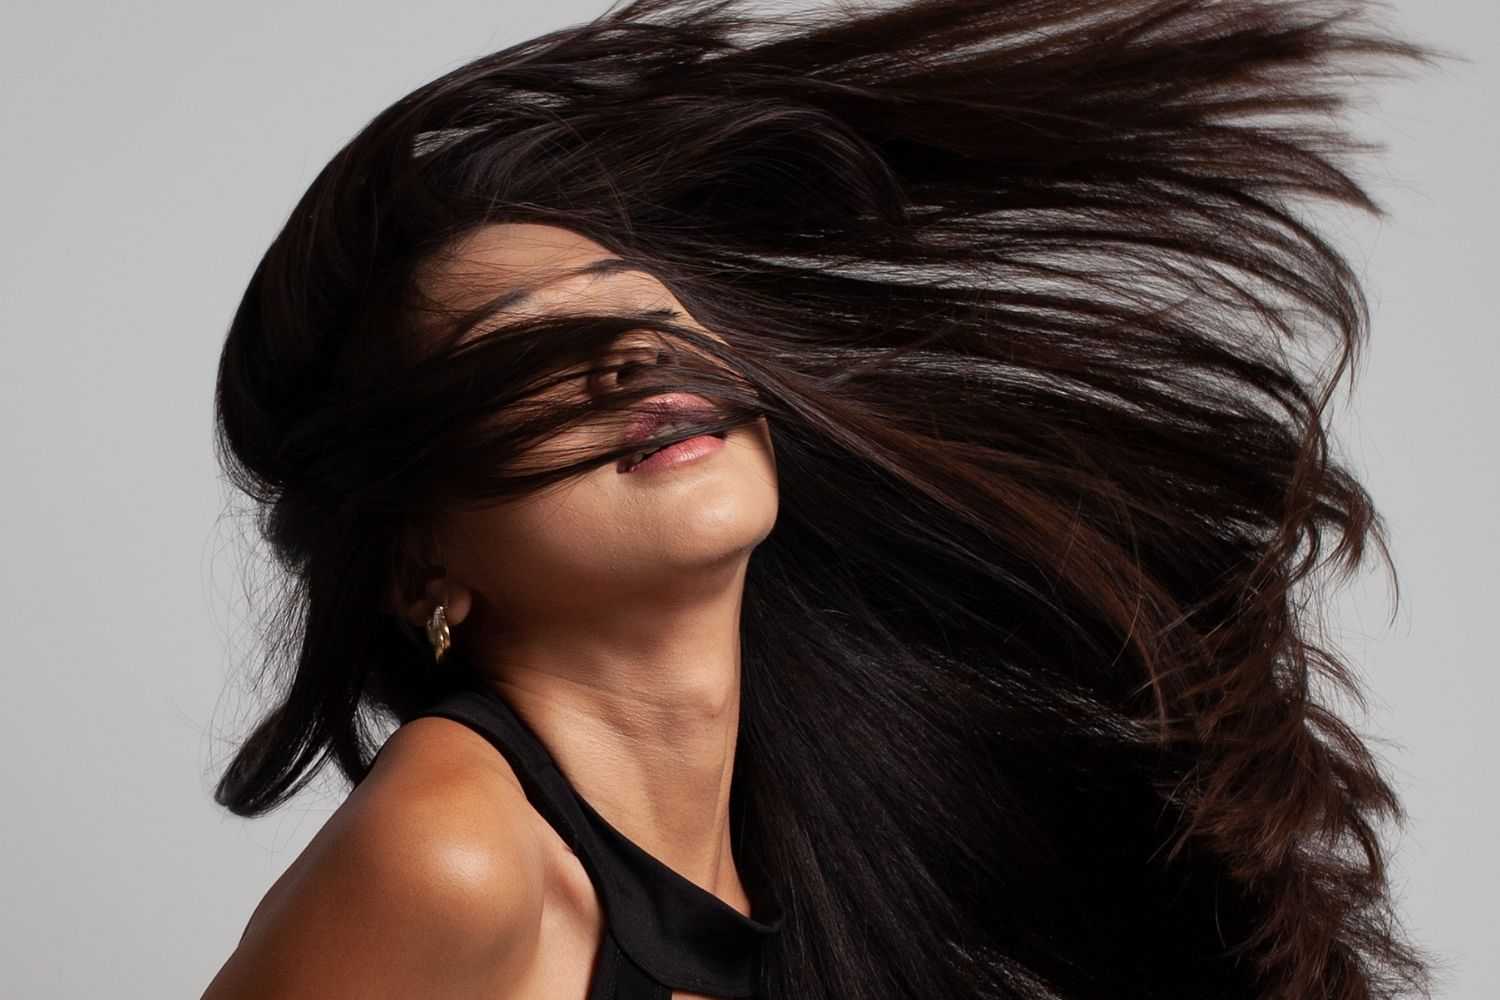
x=603 y=535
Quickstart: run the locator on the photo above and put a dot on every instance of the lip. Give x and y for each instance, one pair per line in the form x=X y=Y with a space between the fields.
x=670 y=407
x=682 y=452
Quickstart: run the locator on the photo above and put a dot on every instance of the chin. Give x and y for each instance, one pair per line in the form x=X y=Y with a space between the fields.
x=712 y=529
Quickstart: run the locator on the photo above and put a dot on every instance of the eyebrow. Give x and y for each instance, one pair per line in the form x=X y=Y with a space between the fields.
x=604 y=265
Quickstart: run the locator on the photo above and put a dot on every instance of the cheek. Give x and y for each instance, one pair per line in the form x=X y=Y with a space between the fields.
x=567 y=530
x=575 y=517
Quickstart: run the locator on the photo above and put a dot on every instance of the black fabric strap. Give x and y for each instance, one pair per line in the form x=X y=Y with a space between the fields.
x=674 y=932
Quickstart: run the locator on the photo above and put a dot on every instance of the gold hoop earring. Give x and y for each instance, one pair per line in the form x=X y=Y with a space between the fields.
x=437 y=632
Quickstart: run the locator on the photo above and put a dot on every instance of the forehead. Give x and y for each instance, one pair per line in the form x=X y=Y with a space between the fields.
x=504 y=261
x=501 y=257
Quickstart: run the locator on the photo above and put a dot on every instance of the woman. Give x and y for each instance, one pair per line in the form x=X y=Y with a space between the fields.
x=955 y=643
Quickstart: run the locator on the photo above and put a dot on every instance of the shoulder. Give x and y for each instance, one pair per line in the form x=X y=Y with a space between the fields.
x=443 y=817
x=430 y=872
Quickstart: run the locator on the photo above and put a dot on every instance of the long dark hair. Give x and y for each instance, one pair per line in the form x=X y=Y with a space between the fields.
x=1031 y=697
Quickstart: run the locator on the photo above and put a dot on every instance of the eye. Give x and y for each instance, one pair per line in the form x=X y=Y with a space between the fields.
x=623 y=366
x=626 y=370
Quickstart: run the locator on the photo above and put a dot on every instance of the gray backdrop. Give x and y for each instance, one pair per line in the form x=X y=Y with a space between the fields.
x=149 y=154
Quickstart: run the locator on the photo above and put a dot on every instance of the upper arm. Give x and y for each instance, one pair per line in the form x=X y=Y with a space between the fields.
x=430 y=890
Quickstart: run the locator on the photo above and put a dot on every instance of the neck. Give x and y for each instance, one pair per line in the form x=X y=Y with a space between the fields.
x=641 y=714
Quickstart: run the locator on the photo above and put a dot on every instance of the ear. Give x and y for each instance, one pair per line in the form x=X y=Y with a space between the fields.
x=418 y=583
x=456 y=599
x=440 y=588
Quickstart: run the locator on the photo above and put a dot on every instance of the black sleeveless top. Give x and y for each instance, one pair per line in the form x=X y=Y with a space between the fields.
x=662 y=932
